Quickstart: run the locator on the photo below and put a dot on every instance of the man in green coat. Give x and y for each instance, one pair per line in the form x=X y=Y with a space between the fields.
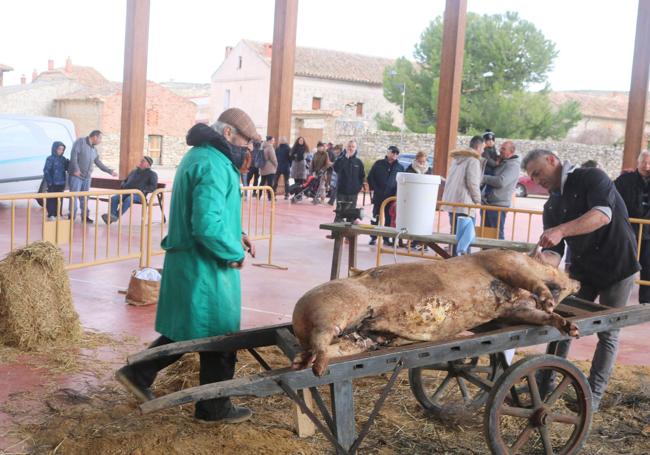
x=200 y=294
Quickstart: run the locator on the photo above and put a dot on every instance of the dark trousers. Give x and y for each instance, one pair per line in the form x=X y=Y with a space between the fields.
x=215 y=367
x=267 y=180
x=50 y=204
x=285 y=174
x=345 y=201
x=492 y=218
x=253 y=174
x=644 y=260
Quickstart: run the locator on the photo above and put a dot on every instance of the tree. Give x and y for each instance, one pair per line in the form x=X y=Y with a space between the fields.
x=386 y=122
x=504 y=56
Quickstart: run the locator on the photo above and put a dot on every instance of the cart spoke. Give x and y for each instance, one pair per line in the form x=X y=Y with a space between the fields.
x=546 y=440
x=565 y=418
x=463 y=389
x=483 y=369
x=522 y=439
x=478 y=381
x=566 y=381
x=512 y=411
x=441 y=388
x=534 y=390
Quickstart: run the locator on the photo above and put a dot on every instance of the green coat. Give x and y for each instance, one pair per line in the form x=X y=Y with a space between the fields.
x=200 y=296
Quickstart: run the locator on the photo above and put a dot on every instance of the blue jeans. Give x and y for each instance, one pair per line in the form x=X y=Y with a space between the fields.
x=452 y=226
x=126 y=203
x=78 y=184
x=490 y=218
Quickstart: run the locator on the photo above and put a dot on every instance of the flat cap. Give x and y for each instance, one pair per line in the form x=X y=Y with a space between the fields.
x=240 y=120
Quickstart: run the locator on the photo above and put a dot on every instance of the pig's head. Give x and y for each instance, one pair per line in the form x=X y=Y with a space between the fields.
x=557 y=281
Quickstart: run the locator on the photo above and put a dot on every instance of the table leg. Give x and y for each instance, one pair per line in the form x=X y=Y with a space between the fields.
x=336 y=256
x=352 y=253
x=343 y=412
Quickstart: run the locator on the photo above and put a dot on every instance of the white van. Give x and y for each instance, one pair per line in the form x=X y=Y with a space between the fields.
x=25 y=143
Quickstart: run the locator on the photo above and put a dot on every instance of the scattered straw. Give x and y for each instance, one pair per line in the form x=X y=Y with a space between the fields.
x=35 y=301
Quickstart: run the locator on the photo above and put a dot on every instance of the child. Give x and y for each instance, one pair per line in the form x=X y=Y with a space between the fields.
x=54 y=172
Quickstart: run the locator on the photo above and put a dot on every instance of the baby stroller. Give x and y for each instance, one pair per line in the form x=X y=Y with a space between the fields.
x=308 y=189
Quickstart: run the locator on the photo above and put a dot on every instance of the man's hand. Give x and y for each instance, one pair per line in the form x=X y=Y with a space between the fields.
x=551 y=237
x=114 y=173
x=248 y=245
x=77 y=173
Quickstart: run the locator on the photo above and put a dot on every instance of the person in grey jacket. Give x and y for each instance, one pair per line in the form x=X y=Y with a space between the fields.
x=502 y=185
x=83 y=157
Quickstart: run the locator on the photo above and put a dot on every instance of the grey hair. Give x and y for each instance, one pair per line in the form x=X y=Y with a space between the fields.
x=643 y=154
x=534 y=155
x=220 y=126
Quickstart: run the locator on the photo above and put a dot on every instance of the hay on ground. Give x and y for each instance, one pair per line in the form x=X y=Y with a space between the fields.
x=35 y=300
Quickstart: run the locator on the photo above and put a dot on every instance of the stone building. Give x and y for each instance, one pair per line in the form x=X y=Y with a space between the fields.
x=604 y=115
x=82 y=95
x=330 y=88
x=199 y=94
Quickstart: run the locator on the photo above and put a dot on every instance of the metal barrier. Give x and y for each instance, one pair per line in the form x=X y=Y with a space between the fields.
x=68 y=235
x=258 y=219
x=481 y=229
x=639 y=233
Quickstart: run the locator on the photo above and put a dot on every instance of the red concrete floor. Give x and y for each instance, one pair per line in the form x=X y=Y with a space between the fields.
x=268 y=294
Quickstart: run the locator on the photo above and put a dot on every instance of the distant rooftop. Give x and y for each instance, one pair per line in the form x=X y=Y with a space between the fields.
x=188 y=89
x=601 y=104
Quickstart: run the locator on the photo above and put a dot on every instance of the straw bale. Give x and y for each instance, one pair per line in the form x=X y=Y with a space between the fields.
x=36 y=307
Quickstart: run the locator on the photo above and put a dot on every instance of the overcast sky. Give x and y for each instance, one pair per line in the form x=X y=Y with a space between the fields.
x=595 y=38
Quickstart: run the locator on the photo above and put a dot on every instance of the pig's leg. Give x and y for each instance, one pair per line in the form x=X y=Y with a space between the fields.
x=539 y=317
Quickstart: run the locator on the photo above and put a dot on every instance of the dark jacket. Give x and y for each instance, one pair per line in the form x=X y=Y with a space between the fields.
x=411 y=170
x=490 y=154
x=282 y=154
x=607 y=255
x=635 y=192
x=382 y=179
x=144 y=180
x=350 y=174
x=54 y=171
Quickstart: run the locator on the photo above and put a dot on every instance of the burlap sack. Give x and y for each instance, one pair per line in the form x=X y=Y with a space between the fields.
x=142 y=292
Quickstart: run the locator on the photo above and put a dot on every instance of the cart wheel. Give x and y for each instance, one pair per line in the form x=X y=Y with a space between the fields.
x=462 y=383
x=525 y=417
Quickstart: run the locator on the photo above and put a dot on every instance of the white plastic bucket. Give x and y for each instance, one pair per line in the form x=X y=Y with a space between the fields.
x=416 y=202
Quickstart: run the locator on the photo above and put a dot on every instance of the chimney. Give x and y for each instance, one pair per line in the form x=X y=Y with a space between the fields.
x=268 y=50
x=50 y=65
x=68 y=65
x=34 y=75
x=23 y=80
x=228 y=50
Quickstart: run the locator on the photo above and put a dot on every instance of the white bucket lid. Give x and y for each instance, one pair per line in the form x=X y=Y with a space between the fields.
x=426 y=179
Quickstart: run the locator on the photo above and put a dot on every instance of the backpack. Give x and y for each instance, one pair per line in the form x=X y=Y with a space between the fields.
x=258 y=158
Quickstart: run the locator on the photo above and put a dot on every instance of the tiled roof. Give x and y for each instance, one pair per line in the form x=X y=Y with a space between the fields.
x=612 y=105
x=85 y=75
x=188 y=89
x=4 y=68
x=335 y=65
x=98 y=92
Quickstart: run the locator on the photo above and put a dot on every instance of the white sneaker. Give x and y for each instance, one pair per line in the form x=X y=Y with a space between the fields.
x=51 y=218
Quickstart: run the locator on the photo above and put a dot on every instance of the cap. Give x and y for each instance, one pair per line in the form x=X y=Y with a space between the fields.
x=489 y=135
x=240 y=120
x=149 y=160
x=393 y=149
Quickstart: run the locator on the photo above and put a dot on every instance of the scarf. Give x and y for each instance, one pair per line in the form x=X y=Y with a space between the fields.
x=418 y=168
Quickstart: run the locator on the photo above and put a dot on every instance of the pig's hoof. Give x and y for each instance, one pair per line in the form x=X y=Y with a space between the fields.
x=320 y=365
x=302 y=360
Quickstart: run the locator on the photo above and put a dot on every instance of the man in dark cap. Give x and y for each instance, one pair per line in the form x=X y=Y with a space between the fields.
x=141 y=178
x=382 y=182
x=200 y=294
x=490 y=152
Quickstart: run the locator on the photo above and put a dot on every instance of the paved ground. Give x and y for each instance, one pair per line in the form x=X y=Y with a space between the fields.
x=268 y=295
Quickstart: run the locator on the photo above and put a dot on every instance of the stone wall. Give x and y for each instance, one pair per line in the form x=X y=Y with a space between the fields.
x=374 y=145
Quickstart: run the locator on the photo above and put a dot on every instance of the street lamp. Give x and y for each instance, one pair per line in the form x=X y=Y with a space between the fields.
x=393 y=73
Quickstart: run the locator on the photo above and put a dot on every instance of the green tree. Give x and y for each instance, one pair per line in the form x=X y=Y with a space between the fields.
x=504 y=55
x=386 y=122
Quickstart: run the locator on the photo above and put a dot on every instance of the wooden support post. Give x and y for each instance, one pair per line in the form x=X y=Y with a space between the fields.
x=303 y=424
x=451 y=76
x=282 y=68
x=343 y=412
x=635 y=139
x=134 y=87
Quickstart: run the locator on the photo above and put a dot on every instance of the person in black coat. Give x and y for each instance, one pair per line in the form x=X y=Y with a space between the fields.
x=284 y=165
x=634 y=188
x=55 y=173
x=383 y=183
x=585 y=211
x=350 y=177
x=141 y=178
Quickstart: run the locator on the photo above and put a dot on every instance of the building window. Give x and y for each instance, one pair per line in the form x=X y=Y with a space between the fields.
x=241 y=59
x=315 y=103
x=226 y=100
x=359 y=109
x=155 y=148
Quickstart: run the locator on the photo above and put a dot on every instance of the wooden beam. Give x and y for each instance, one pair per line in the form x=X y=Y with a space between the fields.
x=451 y=76
x=635 y=139
x=134 y=87
x=282 y=68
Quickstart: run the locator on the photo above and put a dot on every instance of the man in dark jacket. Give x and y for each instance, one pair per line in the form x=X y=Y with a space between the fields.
x=54 y=173
x=634 y=188
x=350 y=176
x=383 y=183
x=284 y=166
x=142 y=178
x=585 y=211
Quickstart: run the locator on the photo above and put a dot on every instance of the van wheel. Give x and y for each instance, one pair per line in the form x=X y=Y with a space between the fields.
x=520 y=190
